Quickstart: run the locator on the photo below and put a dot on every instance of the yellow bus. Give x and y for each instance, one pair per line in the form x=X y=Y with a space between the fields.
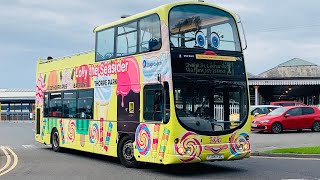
x=157 y=88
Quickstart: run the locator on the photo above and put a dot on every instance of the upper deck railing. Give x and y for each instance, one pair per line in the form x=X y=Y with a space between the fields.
x=42 y=61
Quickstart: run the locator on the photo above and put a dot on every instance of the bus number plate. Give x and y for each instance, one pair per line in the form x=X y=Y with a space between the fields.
x=215 y=156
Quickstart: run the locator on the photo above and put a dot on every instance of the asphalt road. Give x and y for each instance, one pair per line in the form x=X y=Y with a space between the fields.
x=38 y=161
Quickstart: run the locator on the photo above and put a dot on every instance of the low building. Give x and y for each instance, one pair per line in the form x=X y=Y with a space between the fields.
x=295 y=79
x=17 y=104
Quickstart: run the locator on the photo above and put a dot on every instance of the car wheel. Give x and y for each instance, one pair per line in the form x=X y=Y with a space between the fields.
x=55 y=141
x=276 y=128
x=126 y=153
x=316 y=126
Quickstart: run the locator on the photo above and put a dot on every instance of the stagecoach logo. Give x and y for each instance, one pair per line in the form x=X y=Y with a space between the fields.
x=151 y=64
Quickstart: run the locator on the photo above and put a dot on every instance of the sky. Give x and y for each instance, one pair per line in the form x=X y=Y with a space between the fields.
x=276 y=31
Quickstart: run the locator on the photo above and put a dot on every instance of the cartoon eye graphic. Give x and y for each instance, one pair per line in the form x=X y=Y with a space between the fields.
x=200 y=39
x=215 y=40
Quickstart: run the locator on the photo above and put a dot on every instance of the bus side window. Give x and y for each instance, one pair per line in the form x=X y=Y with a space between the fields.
x=85 y=104
x=150 y=34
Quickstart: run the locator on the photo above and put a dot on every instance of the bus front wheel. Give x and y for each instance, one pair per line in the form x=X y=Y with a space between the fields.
x=126 y=153
x=55 y=141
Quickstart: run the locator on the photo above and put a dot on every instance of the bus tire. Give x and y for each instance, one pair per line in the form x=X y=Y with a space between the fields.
x=126 y=153
x=55 y=140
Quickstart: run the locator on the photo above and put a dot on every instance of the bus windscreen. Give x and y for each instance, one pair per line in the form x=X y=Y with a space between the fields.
x=204 y=27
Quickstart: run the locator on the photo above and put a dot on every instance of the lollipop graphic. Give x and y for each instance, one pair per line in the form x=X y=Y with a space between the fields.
x=239 y=144
x=189 y=147
x=71 y=131
x=94 y=133
x=143 y=141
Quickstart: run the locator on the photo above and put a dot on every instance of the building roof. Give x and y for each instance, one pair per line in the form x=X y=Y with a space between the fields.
x=17 y=94
x=250 y=75
x=294 y=68
x=296 y=62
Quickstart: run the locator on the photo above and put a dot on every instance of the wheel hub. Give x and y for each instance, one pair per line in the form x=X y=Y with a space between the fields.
x=127 y=151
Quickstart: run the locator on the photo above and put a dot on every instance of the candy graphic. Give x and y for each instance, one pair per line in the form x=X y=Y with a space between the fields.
x=101 y=131
x=82 y=127
x=239 y=144
x=143 y=140
x=164 y=141
x=43 y=127
x=62 y=131
x=94 y=133
x=66 y=79
x=189 y=147
x=108 y=136
x=128 y=80
x=40 y=89
x=52 y=81
x=71 y=131
x=155 y=140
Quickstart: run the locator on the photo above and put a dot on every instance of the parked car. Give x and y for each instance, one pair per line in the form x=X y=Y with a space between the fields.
x=287 y=103
x=289 y=118
x=255 y=111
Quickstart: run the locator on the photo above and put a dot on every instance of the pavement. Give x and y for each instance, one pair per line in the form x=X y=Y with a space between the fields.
x=37 y=161
x=289 y=139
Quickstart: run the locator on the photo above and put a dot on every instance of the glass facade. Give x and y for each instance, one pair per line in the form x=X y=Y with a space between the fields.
x=17 y=110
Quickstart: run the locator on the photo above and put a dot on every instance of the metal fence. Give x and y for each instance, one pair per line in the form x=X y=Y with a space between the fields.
x=219 y=112
x=16 y=116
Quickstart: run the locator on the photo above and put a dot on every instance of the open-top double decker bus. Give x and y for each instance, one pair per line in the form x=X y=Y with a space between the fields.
x=158 y=88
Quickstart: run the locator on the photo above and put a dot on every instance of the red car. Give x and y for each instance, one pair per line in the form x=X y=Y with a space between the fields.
x=289 y=118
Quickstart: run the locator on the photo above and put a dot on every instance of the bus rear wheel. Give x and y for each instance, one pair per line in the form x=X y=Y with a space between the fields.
x=126 y=153
x=55 y=141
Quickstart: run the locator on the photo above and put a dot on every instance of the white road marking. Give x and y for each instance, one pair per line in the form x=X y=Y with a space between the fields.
x=29 y=146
